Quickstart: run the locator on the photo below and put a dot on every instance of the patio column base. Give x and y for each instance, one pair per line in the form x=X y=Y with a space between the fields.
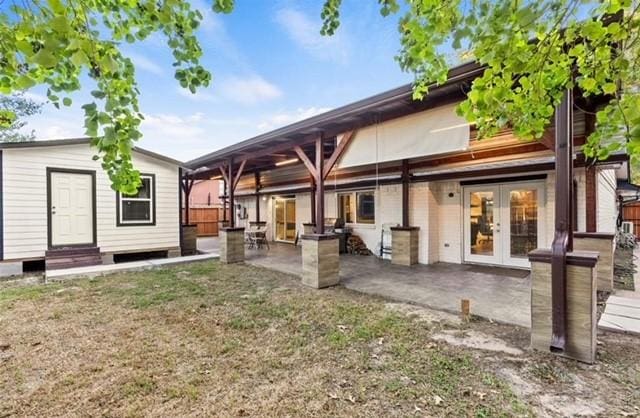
x=604 y=245
x=308 y=228
x=231 y=245
x=189 y=239
x=320 y=260
x=581 y=304
x=404 y=245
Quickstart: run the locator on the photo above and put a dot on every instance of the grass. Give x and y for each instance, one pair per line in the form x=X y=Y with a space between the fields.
x=209 y=339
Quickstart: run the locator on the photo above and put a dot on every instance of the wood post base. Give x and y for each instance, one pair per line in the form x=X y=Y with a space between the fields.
x=581 y=315
x=232 y=245
x=404 y=245
x=320 y=260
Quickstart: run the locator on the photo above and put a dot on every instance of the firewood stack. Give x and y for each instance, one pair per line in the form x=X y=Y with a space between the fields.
x=356 y=246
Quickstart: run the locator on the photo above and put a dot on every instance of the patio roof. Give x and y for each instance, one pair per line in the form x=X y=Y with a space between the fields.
x=265 y=150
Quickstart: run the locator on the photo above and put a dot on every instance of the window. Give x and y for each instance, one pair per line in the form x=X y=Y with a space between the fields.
x=138 y=209
x=366 y=213
x=357 y=207
x=345 y=208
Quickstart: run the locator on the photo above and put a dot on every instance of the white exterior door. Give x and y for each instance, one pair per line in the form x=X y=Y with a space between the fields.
x=71 y=209
x=503 y=222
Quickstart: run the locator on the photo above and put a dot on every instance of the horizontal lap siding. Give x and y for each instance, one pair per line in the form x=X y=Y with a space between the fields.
x=607 y=210
x=25 y=202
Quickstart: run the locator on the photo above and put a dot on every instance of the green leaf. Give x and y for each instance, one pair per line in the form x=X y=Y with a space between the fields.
x=66 y=101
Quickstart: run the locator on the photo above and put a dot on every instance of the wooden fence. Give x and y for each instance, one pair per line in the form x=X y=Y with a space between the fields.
x=206 y=219
x=631 y=213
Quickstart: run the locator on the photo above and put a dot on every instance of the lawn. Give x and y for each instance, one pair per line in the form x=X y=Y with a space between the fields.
x=212 y=340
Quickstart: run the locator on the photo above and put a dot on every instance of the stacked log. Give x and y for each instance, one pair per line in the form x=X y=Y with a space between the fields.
x=356 y=246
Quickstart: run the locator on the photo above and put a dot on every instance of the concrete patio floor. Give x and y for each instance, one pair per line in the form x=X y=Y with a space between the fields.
x=499 y=294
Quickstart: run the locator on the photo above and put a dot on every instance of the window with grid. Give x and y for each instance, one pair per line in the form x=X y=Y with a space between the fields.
x=138 y=209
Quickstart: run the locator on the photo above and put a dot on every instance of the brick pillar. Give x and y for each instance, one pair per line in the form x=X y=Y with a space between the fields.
x=581 y=303
x=404 y=245
x=231 y=245
x=320 y=260
x=604 y=245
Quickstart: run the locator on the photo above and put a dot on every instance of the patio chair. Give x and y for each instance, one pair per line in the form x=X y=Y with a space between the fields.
x=385 y=239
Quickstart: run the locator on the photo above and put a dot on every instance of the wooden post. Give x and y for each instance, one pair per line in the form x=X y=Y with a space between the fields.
x=563 y=239
x=319 y=185
x=232 y=220
x=187 y=184
x=405 y=193
x=256 y=176
x=465 y=309
x=313 y=199
x=224 y=201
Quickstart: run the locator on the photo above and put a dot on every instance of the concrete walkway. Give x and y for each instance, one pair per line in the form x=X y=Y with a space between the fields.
x=209 y=245
x=622 y=312
x=100 y=270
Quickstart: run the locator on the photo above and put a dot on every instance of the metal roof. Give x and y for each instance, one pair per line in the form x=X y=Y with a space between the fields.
x=78 y=141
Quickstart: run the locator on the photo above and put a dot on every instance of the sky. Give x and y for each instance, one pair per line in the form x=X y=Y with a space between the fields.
x=270 y=66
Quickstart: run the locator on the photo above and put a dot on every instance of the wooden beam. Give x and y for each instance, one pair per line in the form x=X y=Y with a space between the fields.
x=307 y=162
x=312 y=183
x=256 y=177
x=232 y=203
x=236 y=179
x=337 y=153
x=319 y=185
x=223 y=171
x=405 y=193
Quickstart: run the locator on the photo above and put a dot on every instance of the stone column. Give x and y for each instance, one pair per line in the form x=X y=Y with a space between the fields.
x=320 y=260
x=604 y=245
x=581 y=303
x=232 y=245
x=404 y=245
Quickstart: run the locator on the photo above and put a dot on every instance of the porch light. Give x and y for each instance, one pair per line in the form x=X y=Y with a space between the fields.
x=285 y=162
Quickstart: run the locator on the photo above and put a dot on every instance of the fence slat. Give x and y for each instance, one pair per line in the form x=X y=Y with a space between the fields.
x=631 y=213
x=206 y=220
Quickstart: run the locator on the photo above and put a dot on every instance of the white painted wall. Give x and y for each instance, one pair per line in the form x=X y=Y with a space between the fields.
x=25 y=201
x=449 y=221
x=607 y=210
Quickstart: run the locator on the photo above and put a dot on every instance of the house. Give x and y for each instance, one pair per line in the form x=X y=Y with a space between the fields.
x=57 y=205
x=391 y=160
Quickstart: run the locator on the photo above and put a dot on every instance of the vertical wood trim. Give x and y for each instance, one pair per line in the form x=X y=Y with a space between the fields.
x=591 y=197
x=405 y=193
x=231 y=187
x=313 y=199
x=256 y=177
x=319 y=186
x=180 y=171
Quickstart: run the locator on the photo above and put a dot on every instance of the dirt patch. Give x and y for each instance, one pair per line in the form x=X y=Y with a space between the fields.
x=624 y=268
x=476 y=340
x=214 y=340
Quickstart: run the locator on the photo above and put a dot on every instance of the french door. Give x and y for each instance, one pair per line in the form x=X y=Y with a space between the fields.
x=503 y=222
x=285 y=219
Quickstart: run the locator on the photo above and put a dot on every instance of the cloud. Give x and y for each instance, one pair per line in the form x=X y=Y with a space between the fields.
x=280 y=119
x=199 y=96
x=305 y=32
x=251 y=90
x=144 y=63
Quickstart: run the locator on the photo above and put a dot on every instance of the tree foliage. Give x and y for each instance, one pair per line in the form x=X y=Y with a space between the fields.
x=533 y=51
x=55 y=42
x=13 y=110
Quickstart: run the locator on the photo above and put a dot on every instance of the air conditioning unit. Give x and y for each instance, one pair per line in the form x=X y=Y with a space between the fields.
x=627 y=227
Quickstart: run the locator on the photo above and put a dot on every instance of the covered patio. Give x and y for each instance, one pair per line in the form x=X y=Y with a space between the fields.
x=499 y=294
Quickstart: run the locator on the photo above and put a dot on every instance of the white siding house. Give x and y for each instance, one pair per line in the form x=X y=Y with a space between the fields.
x=39 y=175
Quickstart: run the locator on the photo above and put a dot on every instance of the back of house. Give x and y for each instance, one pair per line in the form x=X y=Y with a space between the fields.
x=58 y=205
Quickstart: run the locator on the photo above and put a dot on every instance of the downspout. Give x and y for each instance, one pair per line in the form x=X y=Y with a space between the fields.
x=563 y=238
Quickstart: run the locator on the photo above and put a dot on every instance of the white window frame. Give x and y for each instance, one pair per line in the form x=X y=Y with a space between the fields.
x=150 y=199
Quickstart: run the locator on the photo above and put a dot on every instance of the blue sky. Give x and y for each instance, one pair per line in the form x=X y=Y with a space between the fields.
x=270 y=67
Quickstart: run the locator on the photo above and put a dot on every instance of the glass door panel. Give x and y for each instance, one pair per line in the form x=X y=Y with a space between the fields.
x=481 y=224
x=523 y=206
x=280 y=234
x=290 y=213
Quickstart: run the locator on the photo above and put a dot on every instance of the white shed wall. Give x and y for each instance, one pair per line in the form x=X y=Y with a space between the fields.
x=607 y=211
x=25 y=202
